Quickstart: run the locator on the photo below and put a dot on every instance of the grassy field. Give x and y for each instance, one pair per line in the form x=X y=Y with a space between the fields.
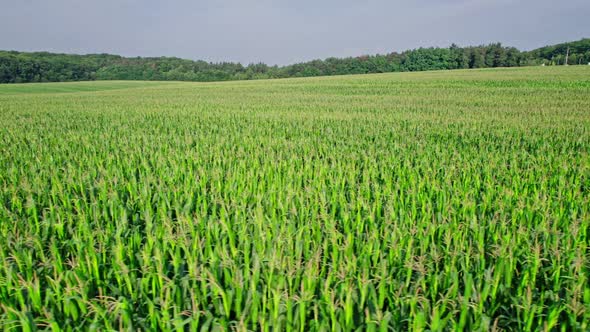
x=424 y=201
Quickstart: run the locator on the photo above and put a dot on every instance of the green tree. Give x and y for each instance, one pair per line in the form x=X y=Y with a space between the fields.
x=476 y=58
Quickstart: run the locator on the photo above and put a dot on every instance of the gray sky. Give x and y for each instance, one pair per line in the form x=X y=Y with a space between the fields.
x=280 y=31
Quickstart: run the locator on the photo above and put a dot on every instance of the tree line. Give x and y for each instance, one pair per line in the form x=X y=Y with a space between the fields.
x=22 y=67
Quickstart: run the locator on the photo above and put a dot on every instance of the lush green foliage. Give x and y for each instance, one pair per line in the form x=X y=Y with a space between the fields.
x=443 y=200
x=18 y=67
x=579 y=53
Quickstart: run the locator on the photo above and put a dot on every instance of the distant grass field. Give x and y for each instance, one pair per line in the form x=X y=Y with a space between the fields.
x=451 y=200
x=70 y=87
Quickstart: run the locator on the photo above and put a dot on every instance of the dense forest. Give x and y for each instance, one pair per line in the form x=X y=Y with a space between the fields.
x=21 y=67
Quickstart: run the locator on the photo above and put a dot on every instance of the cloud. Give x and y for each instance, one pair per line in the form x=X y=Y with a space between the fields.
x=281 y=32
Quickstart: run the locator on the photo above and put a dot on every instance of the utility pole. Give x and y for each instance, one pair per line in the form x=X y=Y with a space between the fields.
x=567 y=54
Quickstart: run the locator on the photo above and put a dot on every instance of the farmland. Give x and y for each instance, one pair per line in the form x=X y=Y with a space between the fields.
x=442 y=200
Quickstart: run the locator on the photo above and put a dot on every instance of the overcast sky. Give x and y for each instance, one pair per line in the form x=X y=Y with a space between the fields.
x=280 y=31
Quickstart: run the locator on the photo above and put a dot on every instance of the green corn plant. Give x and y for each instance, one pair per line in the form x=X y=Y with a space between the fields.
x=409 y=201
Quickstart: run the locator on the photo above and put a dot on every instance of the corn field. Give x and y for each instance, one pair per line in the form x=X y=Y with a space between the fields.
x=439 y=201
